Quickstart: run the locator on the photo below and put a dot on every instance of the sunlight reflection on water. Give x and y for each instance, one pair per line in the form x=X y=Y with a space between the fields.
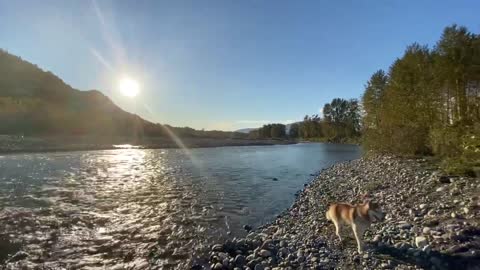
x=131 y=208
x=126 y=146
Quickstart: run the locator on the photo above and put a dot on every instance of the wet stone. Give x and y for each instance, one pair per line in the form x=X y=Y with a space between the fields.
x=217 y=247
x=240 y=260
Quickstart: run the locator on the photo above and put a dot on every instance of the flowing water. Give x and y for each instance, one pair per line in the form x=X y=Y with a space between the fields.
x=134 y=208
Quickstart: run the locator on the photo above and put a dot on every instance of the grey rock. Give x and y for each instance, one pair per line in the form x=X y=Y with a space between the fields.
x=297 y=239
x=300 y=253
x=240 y=260
x=226 y=262
x=247 y=228
x=291 y=257
x=444 y=179
x=222 y=255
x=283 y=252
x=377 y=238
x=404 y=225
x=421 y=241
x=264 y=253
x=21 y=255
x=217 y=247
x=259 y=267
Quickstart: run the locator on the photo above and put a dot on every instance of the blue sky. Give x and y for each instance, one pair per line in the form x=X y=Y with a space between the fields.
x=224 y=64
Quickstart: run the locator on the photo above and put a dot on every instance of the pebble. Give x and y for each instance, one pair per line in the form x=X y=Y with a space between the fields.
x=421 y=241
x=240 y=260
x=247 y=228
x=441 y=189
x=21 y=255
x=217 y=247
x=418 y=222
x=259 y=267
x=404 y=225
x=264 y=253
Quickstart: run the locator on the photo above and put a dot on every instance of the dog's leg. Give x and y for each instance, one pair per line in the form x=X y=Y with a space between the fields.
x=337 y=229
x=358 y=232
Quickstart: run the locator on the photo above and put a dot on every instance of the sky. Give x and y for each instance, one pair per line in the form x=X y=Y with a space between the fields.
x=225 y=64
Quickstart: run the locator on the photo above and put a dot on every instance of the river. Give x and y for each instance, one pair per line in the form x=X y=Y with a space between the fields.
x=135 y=208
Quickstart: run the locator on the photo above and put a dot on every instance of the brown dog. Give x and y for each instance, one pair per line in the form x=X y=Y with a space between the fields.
x=359 y=216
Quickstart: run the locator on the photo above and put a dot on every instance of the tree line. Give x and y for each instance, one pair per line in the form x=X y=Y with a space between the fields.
x=340 y=123
x=428 y=102
x=269 y=131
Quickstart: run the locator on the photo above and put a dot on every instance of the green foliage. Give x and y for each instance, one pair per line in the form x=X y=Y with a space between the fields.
x=429 y=102
x=270 y=131
x=341 y=123
x=294 y=130
x=464 y=154
x=372 y=101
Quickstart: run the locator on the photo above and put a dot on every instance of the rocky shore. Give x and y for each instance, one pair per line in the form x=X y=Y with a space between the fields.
x=432 y=222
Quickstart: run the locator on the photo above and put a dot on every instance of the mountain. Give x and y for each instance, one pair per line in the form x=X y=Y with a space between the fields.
x=245 y=130
x=36 y=102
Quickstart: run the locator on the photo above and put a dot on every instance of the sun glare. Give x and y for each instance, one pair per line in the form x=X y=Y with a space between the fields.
x=129 y=87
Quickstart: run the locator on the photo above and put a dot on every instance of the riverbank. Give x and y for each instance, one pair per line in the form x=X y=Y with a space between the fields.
x=432 y=222
x=15 y=144
x=353 y=141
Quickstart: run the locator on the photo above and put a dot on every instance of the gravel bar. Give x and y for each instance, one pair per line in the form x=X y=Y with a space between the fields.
x=432 y=222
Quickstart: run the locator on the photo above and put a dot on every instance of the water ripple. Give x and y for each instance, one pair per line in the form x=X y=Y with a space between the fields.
x=138 y=209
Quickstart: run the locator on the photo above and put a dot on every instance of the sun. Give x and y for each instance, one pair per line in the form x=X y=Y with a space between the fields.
x=129 y=87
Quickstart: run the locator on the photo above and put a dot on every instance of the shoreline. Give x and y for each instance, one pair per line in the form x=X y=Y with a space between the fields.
x=432 y=222
x=52 y=144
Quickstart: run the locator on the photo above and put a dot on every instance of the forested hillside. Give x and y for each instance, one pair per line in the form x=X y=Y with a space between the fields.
x=36 y=102
x=428 y=102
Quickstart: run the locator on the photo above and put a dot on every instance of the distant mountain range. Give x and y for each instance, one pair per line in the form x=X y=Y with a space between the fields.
x=245 y=130
x=36 y=102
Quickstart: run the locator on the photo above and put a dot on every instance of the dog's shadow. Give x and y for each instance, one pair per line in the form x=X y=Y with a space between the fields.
x=431 y=260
